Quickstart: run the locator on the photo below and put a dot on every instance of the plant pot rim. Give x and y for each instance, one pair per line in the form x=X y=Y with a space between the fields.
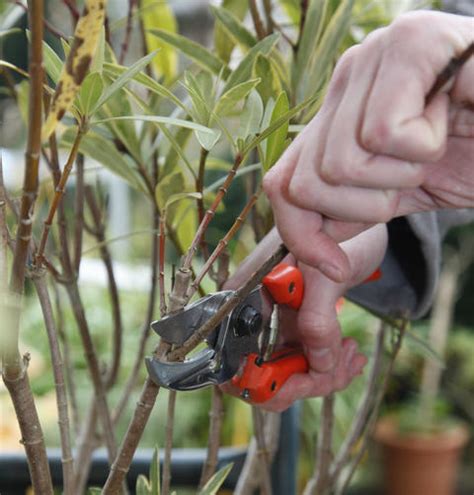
x=451 y=438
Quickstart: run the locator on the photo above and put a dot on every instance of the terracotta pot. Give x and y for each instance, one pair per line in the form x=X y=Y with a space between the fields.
x=417 y=464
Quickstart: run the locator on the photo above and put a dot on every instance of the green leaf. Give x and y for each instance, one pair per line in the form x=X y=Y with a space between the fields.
x=169 y=186
x=52 y=62
x=223 y=42
x=276 y=142
x=211 y=487
x=293 y=10
x=325 y=54
x=194 y=51
x=270 y=85
x=244 y=71
x=94 y=491
x=309 y=38
x=278 y=123
x=228 y=101
x=90 y=92
x=201 y=108
x=423 y=348
x=159 y=119
x=251 y=116
x=123 y=79
x=160 y=15
x=143 y=486
x=155 y=473
x=105 y=152
x=146 y=81
x=185 y=223
x=174 y=198
x=234 y=28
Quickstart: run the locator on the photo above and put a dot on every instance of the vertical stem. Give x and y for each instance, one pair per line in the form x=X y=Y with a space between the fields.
x=165 y=489
x=78 y=212
x=14 y=367
x=215 y=415
x=439 y=326
x=324 y=449
x=128 y=31
x=60 y=188
x=257 y=21
x=262 y=452
x=61 y=392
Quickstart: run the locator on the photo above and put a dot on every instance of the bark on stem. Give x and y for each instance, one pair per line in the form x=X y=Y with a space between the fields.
x=60 y=386
x=60 y=188
x=215 y=415
x=166 y=477
x=14 y=369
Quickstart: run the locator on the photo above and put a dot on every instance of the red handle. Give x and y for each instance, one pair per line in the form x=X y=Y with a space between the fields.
x=261 y=380
x=285 y=284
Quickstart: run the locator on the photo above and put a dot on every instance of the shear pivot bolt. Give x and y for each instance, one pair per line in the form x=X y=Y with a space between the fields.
x=248 y=322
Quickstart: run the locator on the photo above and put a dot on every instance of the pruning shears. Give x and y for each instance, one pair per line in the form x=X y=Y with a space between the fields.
x=241 y=348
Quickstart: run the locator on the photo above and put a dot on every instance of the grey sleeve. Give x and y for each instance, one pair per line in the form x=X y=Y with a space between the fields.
x=411 y=265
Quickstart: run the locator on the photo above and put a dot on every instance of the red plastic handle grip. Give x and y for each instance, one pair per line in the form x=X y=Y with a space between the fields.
x=260 y=381
x=285 y=284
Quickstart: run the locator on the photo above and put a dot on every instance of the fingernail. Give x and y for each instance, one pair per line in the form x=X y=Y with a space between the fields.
x=321 y=359
x=332 y=271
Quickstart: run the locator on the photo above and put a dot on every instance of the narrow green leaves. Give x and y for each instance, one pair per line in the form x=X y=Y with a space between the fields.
x=327 y=49
x=160 y=15
x=213 y=485
x=123 y=79
x=244 y=71
x=194 y=51
x=277 y=141
x=228 y=101
x=234 y=28
x=309 y=38
x=90 y=92
x=251 y=116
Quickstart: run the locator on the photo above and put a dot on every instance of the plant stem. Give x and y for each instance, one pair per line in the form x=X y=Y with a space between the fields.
x=319 y=484
x=223 y=243
x=363 y=411
x=14 y=367
x=128 y=31
x=262 y=451
x=257 y=21
x=78 y=213
x=60 y=188
x=213 y=440
x=60 y=386
x=166 y=477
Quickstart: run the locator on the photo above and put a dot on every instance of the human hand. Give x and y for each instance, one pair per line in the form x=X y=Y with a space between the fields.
x=375 y=151
x=333 y=361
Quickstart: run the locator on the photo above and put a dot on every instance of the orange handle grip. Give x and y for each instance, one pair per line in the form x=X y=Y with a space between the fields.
x=260 y=380
x=285 y=284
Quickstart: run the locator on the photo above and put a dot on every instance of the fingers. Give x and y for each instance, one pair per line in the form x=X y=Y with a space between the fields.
x=315 y=384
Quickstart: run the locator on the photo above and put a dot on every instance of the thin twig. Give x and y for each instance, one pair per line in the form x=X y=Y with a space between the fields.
x=216 y=414
x=363 y=410
x=263 y=455
x=60 y=188
x=397 y=339
x=319 y=483
x=71 y=5
x=69 y=368
x=257 y=21
x=223 y=243
x=60 y=386
x=267 y=7
x=210 y=213
x=166 y=476
x=53 y=30
x=78 y=213
x=128 y=31
x=99 y=228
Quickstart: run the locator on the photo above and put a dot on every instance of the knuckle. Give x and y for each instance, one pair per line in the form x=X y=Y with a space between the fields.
x=407 y=26
x=333 y=171
x=388 y=208
x=298 y=190
x=376 y=135
x=271 y=184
